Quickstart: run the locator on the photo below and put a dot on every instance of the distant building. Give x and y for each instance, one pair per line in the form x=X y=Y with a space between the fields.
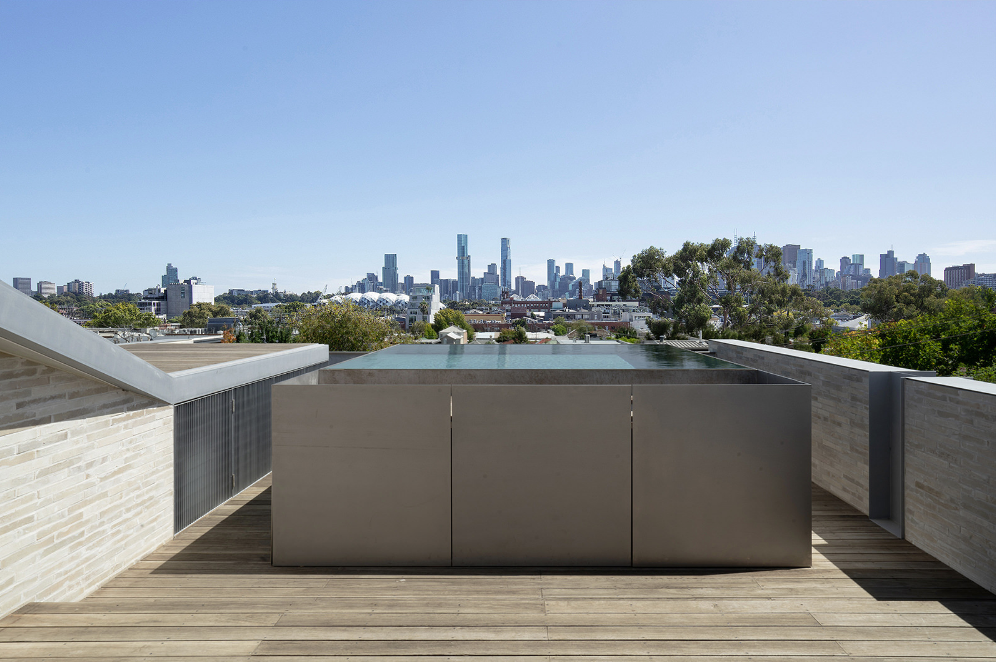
x=551 y=274
x=463 y=266
x=586 y=276
x=790 y=254
x=181 y=296
x=171 y=276
x=955 y=277
x=434 y=277
x=23 y=285
x=409 y=283
x=888 y=265
x=506 y=263
x=527 y=288
x=389 y=274
x=922 y=264
x=983 y=280
x=804 y=267
x=516 y=308
x=568 y=268
x=427 y=293
x=616 y=268
x=122 y=293
x=490 y=287
x=46 y=289
x=81 y=287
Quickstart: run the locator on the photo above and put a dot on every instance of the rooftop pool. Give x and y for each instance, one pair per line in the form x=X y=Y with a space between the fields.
x=535 y=357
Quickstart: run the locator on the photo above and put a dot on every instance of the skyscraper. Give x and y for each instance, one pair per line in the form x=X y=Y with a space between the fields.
x=434 y=277
x=171 y=276
x=586 y=276
x=790 y=255
x=506 y=263
x=463 y=266
x=568 y=268
x=922 y=264
x=551 y=273
x=887 y=264
x=389 y=274
x=804 y=267
x=616 y=268
x=409 y=285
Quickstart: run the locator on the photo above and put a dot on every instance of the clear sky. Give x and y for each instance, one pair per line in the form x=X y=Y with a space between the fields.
x=301 y=141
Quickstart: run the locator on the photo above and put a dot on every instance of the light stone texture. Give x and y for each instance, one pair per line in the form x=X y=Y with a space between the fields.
x=86 y=482
x=950 y=478
x=840 y=413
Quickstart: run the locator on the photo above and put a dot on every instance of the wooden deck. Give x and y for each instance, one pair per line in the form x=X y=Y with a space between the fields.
x=211 y=593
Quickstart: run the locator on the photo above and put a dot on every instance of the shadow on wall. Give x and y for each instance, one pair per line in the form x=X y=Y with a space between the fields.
x=35 y=394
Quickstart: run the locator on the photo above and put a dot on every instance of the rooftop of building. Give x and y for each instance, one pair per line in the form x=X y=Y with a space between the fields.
x=211 y=593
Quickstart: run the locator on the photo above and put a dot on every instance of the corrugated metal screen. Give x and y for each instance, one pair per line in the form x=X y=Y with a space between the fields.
x=221 y=446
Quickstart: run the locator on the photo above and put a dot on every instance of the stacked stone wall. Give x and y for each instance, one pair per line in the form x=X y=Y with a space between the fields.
x=86 y=481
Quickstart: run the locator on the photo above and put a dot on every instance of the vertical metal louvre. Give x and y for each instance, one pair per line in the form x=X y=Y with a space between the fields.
x=221 y=446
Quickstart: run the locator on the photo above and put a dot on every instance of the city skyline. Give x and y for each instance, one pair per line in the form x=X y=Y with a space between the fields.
x=534 y=272
x=300 y=142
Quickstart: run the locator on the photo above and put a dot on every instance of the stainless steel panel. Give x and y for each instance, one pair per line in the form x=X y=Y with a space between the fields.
x=721 y=475
x=361 y=475
x=541 y=475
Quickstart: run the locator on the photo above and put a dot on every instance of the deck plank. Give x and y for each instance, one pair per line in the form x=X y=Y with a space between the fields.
x=210 y=594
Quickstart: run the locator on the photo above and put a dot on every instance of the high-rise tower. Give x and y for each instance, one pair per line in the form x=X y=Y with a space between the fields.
x=463 y=266
x=506 y=263
x=389 y=274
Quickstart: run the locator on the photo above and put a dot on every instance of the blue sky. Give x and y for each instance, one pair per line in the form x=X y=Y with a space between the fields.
x=301 y=141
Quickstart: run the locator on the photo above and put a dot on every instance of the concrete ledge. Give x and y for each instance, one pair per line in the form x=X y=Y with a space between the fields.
x=33 y=331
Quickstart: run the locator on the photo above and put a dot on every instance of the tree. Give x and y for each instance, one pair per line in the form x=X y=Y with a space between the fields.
x=347 y=327
x=449 y=317
x=660 y=328
x=123 y=316
x=752 y=302
x=516 y=335
x=628 y=287
x=261 y=327
x=559 y=329
x=961 y=337
x=197 y=316
x=903 y=296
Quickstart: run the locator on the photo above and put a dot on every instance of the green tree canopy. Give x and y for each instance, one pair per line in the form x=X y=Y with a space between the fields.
x=516 y=335
x=197 y=316
x=347 y=327
x=123 y=316
x=449 y=317
x=629 y=288
x=903 y=296
x=724 y=274
x=960 y=337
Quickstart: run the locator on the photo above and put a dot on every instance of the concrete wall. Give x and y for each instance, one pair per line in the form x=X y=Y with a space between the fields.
x=86 y=482
x=841 y=413
x=950 y=452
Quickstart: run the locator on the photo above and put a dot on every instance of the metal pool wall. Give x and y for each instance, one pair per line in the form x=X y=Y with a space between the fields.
x=659 y=474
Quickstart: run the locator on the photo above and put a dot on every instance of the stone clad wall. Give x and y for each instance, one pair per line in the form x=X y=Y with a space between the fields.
x=86 y=482
x=840 y=413
x=950 y=453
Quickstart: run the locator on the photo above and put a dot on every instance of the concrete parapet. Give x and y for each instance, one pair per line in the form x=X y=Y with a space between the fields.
x=950 y=480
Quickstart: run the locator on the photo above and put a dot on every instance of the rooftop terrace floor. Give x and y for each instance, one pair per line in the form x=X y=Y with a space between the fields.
x=212 y=593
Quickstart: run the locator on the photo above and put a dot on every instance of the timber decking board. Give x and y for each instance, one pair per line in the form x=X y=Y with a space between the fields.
x=174 y=357
x=211 y=594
